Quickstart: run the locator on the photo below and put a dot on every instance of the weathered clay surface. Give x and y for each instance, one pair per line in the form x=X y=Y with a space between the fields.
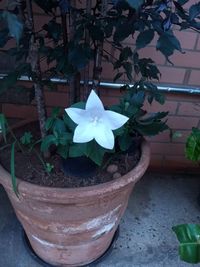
x=73 y=227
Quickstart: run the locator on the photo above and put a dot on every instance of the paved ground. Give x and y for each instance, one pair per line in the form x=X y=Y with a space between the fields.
x=146 y=240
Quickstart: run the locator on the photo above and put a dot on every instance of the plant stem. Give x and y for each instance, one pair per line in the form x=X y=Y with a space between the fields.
x=34 y=61
x=74 y=83
x=97 y=69
x=87 y=68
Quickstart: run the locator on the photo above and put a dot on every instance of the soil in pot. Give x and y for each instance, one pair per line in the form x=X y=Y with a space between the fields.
x=29 y=168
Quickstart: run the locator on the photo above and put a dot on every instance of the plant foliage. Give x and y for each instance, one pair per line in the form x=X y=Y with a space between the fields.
x=189 y=237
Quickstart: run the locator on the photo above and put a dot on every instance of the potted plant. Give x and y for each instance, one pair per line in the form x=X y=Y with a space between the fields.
x=73 y=226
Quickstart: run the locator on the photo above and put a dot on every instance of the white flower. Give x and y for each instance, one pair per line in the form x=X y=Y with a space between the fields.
x=94 y=122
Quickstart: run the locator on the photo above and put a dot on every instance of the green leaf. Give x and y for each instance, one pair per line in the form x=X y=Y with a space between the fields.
x=54 y=30
x=128 y=69
x=125 y=141
x=63 y=150
x=125 y=53
x=135 y=3
x=3 y=126
x=144 y=38
x=55 y=112
x=59 y=126
x=15 y=25
x=47 y=5
x=167 y=43
x=117 y=76
x=95 y=152
x=122 y=31
x=194 y=11
x=65 y=138
x=4 y=37
x=77 y=150
x=49 y=123
x=48 y=141
x=69 y=122
x=189 y=238
x=192 y=149
x=12 y=169
x=26 y=139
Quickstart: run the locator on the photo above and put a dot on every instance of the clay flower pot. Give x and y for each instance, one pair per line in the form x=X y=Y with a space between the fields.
x=73 y=227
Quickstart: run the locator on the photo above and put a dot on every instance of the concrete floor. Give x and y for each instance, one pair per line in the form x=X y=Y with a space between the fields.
x=146 y=240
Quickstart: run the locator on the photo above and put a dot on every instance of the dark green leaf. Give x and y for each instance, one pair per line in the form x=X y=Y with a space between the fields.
x=12 y=169
x=144 y=38
x=189 y=238
x=192 y=149
x=48 y=141
x=167 y=43
x=47 y=5
x=151 y=129
x=77 y=150
x=135 y=3
x=54 y=30
x=117 y=76
x=3 y=126
x=95 y=152
x=194 y=11
x=4 y=37
x=122 y=31
x=63 y=151
x=59 y=126
x=49 y=123
x=15 y=25
x=26 y=139
x=125 y=54
x=125 y=141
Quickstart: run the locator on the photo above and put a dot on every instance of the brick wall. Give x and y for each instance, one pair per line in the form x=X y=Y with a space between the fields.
x=184 y=109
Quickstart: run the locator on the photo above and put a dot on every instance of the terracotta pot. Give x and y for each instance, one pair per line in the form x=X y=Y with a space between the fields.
x=73 y=227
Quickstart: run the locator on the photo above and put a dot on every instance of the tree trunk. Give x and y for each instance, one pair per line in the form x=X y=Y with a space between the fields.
x=33 y=59
x=97 y=69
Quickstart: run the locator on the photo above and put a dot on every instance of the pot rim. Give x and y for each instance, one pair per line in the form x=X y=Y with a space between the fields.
x=50 y=194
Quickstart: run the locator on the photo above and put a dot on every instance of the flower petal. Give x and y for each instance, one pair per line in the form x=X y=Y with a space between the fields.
x=114 y=120
x=76 y=114
x=94 y=102
x=83 y=133
x=104 y=136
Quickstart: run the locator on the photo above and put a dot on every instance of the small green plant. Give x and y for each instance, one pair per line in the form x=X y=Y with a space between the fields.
x=189 y=234
x=192 y=149
x=189 y=237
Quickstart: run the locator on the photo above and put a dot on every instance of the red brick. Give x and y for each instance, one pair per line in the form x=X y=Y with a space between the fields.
x=40 y=20
x=156 y=161
x=108 y=72
x=187 y=39
x=56 y=99
x=183 y=136
x=171 y=75
x=179 y=163
x=163 y=137
x=194 y=78
x=167 y=148
x=189 y=4
x=151 y=52
x=170 y=106
x=189 y=109
x=182 y=123
x=19 y=111
x=189 y=60
x=109 y=101
x=182 y=97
